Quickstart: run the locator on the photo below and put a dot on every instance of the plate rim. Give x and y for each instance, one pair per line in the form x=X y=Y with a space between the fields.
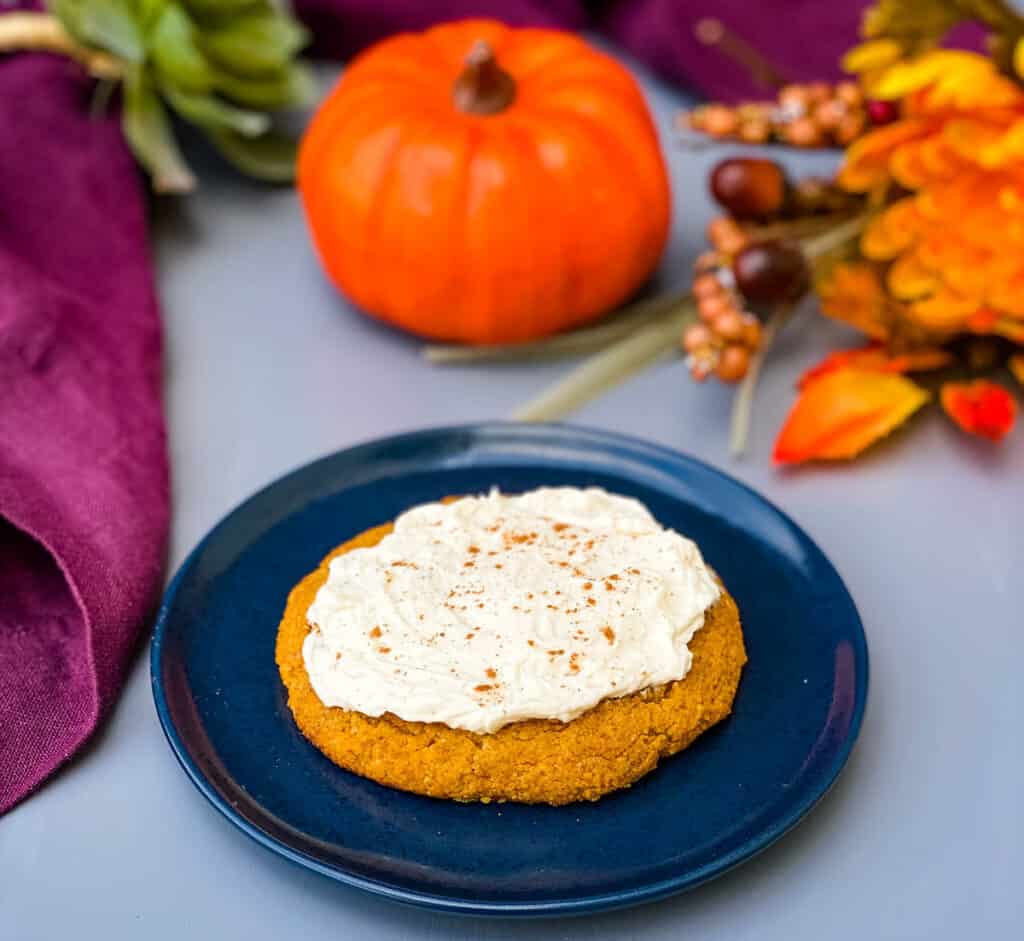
x=605 y=901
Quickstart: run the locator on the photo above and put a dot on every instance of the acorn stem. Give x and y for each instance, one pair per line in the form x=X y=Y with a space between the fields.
x=484 y=87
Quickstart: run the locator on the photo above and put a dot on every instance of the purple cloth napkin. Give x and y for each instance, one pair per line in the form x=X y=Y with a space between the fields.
x=83 y=464
x=803 y=39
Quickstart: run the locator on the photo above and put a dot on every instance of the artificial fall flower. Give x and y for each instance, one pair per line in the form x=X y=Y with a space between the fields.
x=952 y=251
x=981 y=407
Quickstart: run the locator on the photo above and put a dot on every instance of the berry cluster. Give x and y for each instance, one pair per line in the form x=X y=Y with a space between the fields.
x=817 y=114
x=735 y=283
x=726 y=336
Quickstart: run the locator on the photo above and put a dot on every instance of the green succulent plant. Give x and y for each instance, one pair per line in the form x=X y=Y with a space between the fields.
x=223 y=65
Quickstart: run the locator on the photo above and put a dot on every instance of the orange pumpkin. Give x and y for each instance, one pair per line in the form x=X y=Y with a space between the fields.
x=485 y=184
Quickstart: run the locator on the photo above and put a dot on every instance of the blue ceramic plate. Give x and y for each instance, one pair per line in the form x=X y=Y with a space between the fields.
x=738 y=788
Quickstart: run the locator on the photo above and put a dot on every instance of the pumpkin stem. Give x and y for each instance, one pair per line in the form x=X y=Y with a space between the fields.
x=484 y=87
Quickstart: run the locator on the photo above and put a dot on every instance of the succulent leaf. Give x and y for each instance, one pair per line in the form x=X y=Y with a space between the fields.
x=291 y=87
x=211 y=113
x=105 y=24
x=269 y=157
x=176 y=56
x=255 y=44
x=148 y=131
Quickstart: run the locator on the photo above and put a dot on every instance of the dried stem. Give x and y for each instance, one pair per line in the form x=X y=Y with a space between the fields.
x=614 y=365
x=803 y=230
x=712 y=32
x=828 y=241
x=576 y=342
x=41 y=32
x=743 y=402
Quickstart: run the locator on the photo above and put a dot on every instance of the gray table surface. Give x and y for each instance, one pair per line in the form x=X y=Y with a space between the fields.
x=267 y=368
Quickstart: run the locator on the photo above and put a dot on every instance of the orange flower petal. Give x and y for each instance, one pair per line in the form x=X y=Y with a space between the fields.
x=1016 y=364
x=875 y=358
x=892 y=231
x=871 y=55
x=938 y=159
x=907 y=167
x=1005 y=293
x=983 y=320
x=867 y=161
x=944 y=311
x=981 y=407
x=839 y=414
x=853 y=294
x=909 y=279
x=949 y=79
x=1012 y=329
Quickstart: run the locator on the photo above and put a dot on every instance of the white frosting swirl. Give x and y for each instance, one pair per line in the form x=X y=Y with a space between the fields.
x=494 y=609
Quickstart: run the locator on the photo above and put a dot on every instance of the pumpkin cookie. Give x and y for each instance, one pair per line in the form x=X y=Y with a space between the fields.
x=606 y=746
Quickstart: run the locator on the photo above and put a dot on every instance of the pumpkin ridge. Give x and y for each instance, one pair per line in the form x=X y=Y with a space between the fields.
x=625 y=99
x=372 y=221
x=653 y=192
x=603 y=142
x=530 y=163
x=460 y=207
x=414 y=79
x=555 y=195
x=571 y=71
x=328 y=127
x=566 y=55
x=397 y=49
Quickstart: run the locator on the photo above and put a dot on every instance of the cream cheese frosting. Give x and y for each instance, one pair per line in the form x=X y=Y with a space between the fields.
x=494 y=609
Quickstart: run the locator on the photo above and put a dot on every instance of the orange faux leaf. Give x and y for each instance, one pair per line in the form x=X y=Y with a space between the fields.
x=842 y=412
x=981 y=407
x=875 y=358
x=1016 y=365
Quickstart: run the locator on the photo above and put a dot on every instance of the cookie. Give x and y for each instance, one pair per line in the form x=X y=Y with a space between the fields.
x=533 y=761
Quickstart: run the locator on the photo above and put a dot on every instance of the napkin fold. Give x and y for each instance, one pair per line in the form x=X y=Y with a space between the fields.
x=83 y=464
